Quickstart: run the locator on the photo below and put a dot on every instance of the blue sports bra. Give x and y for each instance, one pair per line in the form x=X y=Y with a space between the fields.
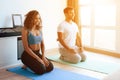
x=34 y=39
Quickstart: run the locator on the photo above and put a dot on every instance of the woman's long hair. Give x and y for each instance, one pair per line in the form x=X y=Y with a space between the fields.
x=30 y=20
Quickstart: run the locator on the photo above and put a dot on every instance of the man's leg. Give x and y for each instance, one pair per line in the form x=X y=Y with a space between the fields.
x=82 y=54
x=69 y=57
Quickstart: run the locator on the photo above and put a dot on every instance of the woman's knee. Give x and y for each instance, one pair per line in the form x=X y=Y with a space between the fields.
x=50 y=67
x=42 y=69
x=39 y=69
x=39 y=72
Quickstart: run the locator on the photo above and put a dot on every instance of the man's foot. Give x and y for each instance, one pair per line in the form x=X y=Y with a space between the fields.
x=62 y=57
x=82 y=61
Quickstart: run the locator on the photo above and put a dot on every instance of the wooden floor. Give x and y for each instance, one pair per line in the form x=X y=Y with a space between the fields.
x=5 y=75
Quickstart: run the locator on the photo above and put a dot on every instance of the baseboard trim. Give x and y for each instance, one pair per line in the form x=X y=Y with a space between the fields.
x=8 y=66
x=109 y=53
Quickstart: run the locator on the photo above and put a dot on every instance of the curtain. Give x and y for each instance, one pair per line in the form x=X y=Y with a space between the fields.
x=75 y=5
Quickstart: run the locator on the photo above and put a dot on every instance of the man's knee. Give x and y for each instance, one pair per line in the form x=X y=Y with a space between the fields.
x=74 y=59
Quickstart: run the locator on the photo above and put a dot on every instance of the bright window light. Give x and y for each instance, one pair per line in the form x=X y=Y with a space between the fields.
x=105 y=15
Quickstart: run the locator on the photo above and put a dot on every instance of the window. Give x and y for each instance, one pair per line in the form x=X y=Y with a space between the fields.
x=100 y=22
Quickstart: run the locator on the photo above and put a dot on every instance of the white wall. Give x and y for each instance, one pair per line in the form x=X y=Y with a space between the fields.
x=51 y=12
x=8 y=52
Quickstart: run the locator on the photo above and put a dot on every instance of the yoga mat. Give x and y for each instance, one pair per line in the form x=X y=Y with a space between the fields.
x=91 y=64
x=56 y=74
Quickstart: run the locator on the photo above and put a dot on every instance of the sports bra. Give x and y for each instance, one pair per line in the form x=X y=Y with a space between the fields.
x=34 y=39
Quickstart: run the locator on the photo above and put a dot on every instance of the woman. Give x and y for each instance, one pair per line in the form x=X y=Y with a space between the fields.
x=33 y=43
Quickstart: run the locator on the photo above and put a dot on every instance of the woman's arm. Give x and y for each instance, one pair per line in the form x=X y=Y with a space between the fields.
x=46 y=62
x=42 y=48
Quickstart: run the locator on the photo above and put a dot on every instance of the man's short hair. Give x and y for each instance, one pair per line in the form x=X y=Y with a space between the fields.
x=67 y=9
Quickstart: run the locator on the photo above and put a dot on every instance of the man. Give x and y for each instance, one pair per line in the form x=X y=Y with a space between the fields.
x=71 y=49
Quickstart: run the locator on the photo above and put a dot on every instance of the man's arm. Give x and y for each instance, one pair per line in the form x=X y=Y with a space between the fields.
x=79 y=41
x=60 y=35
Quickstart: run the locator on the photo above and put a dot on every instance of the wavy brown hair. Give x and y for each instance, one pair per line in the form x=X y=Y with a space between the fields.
x=30 y=20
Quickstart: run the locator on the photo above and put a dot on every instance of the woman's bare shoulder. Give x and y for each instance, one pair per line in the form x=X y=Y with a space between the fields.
x=24 y=31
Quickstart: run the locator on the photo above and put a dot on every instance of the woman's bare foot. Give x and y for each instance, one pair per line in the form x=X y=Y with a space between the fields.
x=24 y=67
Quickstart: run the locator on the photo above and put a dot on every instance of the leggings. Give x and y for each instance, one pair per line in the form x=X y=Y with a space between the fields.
x=34 y=64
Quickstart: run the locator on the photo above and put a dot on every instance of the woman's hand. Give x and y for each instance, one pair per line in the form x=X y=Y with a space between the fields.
x=46 y=62
x=40 y=60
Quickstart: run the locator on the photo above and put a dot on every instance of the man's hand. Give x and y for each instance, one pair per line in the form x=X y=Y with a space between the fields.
x=81 y=49
x=71 y=50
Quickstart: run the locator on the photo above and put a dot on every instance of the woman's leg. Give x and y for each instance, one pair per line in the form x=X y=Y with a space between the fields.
x=24 y=67
x=50 y=66
x=32 y=63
